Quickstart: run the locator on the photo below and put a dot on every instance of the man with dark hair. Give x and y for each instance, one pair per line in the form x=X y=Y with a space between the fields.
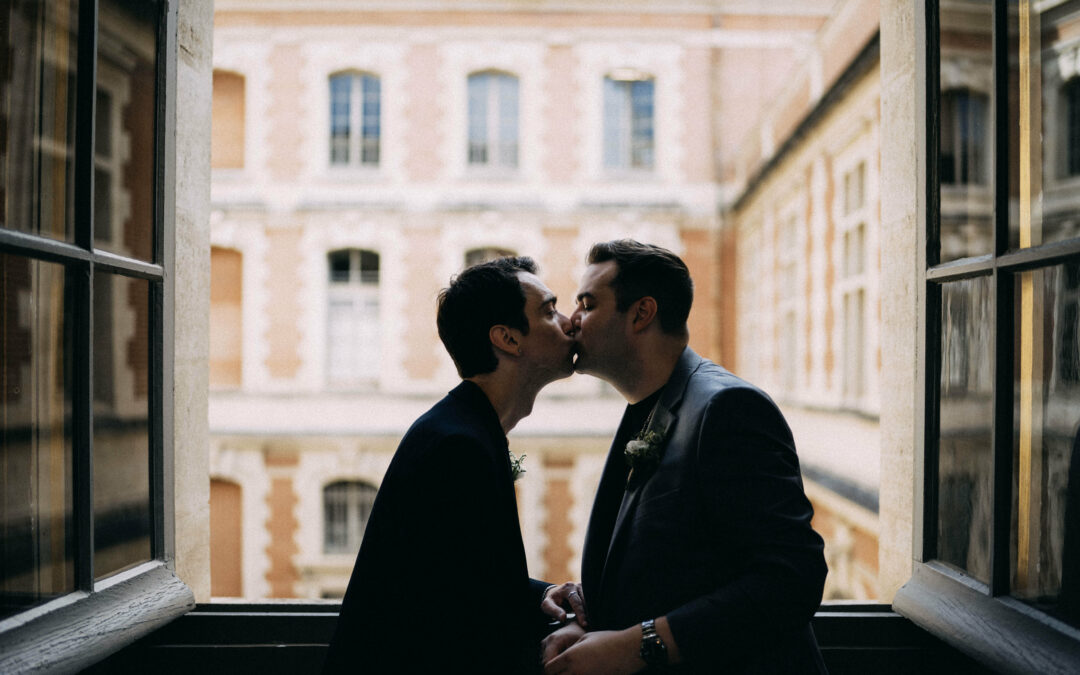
x=447 y=501
x=699 y=555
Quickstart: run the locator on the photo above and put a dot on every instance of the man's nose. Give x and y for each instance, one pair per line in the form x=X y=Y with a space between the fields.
x=566 y=323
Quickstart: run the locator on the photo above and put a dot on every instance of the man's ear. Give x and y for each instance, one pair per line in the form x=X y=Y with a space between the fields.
x=643 y=312
x=505 y=339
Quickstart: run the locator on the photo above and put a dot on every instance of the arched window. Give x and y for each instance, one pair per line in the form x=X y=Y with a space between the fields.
x=227 y=127
x=353 y=317
x=964 y=137
x=475 y=256
x=628 y=120
x=346 y=509
x=355 y=124
x=493 y=120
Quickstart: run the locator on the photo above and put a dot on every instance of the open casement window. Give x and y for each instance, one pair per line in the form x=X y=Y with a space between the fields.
x=997 y=538
x=85 y=326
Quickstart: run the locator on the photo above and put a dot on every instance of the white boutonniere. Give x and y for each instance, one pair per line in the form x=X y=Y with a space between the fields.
x=517 y=465
x=643 y=452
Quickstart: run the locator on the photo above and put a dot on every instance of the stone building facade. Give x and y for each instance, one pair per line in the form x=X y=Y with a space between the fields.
x=363 y=153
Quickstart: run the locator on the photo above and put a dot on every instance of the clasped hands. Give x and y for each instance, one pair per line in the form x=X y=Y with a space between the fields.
x=571 y=649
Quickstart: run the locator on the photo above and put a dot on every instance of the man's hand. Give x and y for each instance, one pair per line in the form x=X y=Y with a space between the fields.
x=557 y=596
x=600 y=653
x=559 y=641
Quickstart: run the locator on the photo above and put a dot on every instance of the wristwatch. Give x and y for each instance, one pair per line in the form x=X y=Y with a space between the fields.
x=653 y=650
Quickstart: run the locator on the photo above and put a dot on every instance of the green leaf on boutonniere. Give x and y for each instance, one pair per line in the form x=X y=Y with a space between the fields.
x=643 y=452
x=517 y=465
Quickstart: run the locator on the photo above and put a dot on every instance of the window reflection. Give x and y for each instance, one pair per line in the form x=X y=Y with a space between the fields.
x=964 y=445
x=36 y=537
x=37 y=141
x=1044 y=118
x=965 y=140
x=121 y=423
x=124 y=128
x=1045 y=553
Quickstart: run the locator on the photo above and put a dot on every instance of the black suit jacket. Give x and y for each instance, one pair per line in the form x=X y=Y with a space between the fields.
x=717 y=537
x=446 y=504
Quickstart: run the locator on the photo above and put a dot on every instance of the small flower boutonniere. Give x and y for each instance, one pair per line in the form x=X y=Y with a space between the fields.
x=643 y=452
x=517 y=466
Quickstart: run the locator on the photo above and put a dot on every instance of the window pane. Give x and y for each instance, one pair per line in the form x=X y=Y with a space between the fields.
x=37 y=140
x=127 y=75
x=1044 y=118
x=122 y=508
x=965 y=141
x=642 y=125
x=616 y=124
x=340 y=95
x=508 y=121
x=478 y=116
x=369 y=153
x=36 y=555
x=966 y=412
x=1045 y=555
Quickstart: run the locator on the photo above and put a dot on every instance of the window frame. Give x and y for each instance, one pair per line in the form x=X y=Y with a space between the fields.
x=99 y=617
x=494 y=80
x=981 y=620
x=355 y=490
x=624 y=80
x=353 y=288
x=356 y=140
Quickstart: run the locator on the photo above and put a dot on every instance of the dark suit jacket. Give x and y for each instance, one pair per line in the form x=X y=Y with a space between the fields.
x=440 y=583
x=717 y=537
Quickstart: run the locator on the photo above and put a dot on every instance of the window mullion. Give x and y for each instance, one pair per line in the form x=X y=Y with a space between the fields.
x=1002 y=430
x=81 y=276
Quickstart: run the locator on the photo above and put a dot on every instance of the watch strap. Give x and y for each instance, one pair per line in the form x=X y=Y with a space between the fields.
x=653 y=650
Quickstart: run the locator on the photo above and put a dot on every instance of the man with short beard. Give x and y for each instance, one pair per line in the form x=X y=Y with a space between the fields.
x=699 y=555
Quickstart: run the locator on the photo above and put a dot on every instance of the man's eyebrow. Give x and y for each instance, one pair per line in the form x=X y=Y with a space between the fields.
x=549 y=299
x=582 y=296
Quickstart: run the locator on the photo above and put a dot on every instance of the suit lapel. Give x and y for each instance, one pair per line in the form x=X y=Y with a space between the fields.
x=602 y=519
x=663 y=421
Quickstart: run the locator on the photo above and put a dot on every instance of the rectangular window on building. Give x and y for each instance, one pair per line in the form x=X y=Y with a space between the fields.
x=353 y=332
x=493 y=120
x=355 y=119
x=628 y=121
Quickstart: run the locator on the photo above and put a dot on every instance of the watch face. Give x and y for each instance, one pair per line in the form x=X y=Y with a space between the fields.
x=653 y=651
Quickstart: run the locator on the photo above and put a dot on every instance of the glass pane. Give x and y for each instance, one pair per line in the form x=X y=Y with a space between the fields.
x=1044 y=118
x=616 y=124
x=369 y=152
x=37 y=140
x=126 y=70
x=36 y=555
x=478 y=115
x=1045 y=553
x=966 y=132
x=122 y=507
x=340 y=98
x=965 y=459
